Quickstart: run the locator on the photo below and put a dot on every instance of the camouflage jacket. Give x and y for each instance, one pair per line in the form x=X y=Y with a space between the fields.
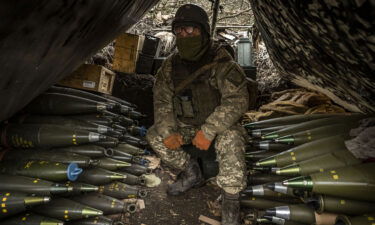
x=227 y=77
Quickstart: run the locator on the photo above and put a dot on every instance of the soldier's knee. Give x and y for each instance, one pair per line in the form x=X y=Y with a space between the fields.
x=152 y=134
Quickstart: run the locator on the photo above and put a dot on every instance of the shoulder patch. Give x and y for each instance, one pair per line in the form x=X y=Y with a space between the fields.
x=236 y=75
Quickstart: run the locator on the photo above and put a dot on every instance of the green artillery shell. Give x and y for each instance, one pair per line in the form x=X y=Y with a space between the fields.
x=324 y=203
x=61 y=120
x=52 y=171
x=87 y=150
x=98 y=220
x=111 y=164
x=258 y=155
x=316 y=133
x=45 y=136
x=298 y=213
x=367 y=219
x=295 y=119
x=105 y=203
x=278 y=187
x=130 y=149
x=312 y=124
x=79 y=188
x=30 y=185
x=270 y=146
x=62 y=104
x=132 y=179
x=264 y=192
x=86 y=94
x=123 y=120
x=137 y=170
x=31 y=219
x=131 y=140
x=61 y=157
x=94 y=118
x=13 y=203
x=98 y=176
x=354 y=182
x=305 y=151
x=281 y=221
x=121 y=191
x=107 y=144
x=257 y=179
x=260 y=203
x=320 y=163
x=257 y=133
x=66 y=209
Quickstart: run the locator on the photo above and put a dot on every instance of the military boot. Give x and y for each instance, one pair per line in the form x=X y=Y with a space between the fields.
x=230 y=209
x=188 y=178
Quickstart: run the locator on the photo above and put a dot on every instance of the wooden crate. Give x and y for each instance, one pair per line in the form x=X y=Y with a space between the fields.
x=92 y=78
x=127 y=49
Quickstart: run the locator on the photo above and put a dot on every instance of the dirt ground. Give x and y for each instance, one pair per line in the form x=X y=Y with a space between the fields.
x=161 y=209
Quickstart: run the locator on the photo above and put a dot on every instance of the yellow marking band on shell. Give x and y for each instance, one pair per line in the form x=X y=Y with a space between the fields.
x=3 y=205
x=4 y=199
x=335 y=177
x=7 y=194
x=24 y=218
x=333 y=171
x=291 y=153
x=342 y=202
x=294 y=158
x=253 y=198
x=4 y=210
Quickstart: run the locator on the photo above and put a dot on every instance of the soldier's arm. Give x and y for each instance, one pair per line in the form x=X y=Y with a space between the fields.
x=163 y=101
x=234 y=100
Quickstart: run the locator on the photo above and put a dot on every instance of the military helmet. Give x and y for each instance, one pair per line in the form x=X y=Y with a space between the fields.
x=190 y=13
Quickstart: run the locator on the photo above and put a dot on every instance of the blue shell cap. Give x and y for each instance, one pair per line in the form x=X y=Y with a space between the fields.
x=73 y=171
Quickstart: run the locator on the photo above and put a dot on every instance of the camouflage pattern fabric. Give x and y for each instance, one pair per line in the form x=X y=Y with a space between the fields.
x=230 y=150
x=229 y=79
x=326 y=45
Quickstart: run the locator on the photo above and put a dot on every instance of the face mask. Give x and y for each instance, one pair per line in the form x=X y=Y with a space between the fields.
x=191 y=48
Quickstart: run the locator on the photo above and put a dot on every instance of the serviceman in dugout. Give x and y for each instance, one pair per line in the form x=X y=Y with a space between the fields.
x=200 y=93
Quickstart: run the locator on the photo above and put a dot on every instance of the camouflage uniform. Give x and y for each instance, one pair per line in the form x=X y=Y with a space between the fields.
x=218 y=99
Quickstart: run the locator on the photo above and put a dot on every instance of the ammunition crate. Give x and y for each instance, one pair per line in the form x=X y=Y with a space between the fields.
x=144 y=64
x=151 y=45
x=127 y=49
x=91 y=77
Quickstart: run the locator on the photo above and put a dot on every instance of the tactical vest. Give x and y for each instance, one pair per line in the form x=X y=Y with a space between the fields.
x=199 y=99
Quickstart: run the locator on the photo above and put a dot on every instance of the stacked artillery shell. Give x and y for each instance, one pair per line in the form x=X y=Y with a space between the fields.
x=63 y=131
x=304 y=159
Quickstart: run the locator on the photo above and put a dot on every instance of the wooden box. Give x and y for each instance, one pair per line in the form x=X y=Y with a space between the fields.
x=92 y=78
x=127 y=49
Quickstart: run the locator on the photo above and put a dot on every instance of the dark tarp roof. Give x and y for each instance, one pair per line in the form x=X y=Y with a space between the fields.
x=42 y=41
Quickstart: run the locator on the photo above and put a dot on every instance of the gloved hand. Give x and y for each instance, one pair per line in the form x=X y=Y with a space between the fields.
x=173 y=141
x=200 y=141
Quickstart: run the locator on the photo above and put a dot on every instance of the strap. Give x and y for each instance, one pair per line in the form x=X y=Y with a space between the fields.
x=181 y=86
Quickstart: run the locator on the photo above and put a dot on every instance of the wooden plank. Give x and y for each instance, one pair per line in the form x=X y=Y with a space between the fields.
x=208 y=220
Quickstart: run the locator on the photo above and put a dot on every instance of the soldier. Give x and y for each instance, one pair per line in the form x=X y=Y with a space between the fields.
x=200 y=94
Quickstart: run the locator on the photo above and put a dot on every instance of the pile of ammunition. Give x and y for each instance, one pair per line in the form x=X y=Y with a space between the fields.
x=301 y=172
x=72 y=157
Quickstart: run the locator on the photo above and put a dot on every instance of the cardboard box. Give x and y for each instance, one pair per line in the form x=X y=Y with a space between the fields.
x=127 y=49
x=92 y=78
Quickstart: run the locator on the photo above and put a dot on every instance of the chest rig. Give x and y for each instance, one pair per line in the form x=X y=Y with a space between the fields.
x=197 y=100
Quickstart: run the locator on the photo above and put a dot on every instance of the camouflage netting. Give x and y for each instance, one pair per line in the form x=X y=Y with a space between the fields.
x=328 y=46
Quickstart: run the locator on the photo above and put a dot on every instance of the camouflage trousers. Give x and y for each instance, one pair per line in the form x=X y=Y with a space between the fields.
x=229 y=148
